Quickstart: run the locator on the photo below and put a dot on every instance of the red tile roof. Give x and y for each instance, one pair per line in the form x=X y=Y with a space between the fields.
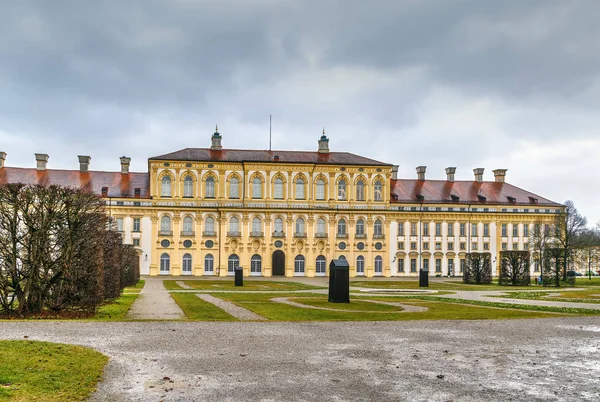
x=468 y=192
x=243 y=155
x=118 y=184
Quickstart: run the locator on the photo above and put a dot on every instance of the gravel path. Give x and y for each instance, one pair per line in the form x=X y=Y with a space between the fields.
x=238 y=312
x=183 y=285
x=534 y=360
x=155 y=303
x=405 y=307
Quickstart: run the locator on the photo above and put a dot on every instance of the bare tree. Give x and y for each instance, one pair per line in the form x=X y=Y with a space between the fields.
x=478 y=268
x=514 y=268
x=569 y=226
x=587 y=253
x=540 y=239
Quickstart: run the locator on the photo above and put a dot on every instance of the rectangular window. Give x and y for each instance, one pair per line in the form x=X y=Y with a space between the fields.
x=525 y=230
x=136 y=242
x=450 y=229
x=401 y=229
x=320 y=190
x=413 y=265
x=525 y=246
x=401 y=265
x=401 y=245
x=504 y=246
x=438 y=229
x=474 y=246
x=413 y=229
x=463 y=265
x=300 y=190
x=426 y=264
x=450 y=267
x=463 y=229
x=474 y=230
x=486 y=246
x=486 y=230
x=438 y=246
x=515 y=230
x=536 y=265
x=504 y=230
x=450 y=246
x=413 y=246
x=425 y=246
x=426 y=229
x=137 y=225
x=463 y=246
x=438 y=265
x=119 y=224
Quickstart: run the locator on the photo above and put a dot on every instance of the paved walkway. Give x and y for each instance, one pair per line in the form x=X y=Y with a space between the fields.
x=238 y=312
x=155 y=303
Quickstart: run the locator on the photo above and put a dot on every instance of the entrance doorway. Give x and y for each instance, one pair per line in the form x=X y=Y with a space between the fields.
x=278 y=263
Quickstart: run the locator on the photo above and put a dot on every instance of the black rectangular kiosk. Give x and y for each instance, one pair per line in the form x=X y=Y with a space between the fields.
x=339 y=281
x=239 y=276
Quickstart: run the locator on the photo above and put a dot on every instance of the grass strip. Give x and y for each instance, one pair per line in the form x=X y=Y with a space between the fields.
x=199 y=310
x=229 y=285
x=44 y=371
x=116 y=309
x=580 y=297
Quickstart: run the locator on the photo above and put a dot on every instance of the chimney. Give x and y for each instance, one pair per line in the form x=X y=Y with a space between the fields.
x=421 y=172
x=125 y=161
x=478 y=174
x=42 y=161
x=395 y=172
x=2 y=159
x=499 y=175
x=84 y=163
x=450 y=171
x=324 y=143
x=216 y=140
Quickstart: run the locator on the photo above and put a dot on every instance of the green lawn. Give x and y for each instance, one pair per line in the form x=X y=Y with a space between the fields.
x=576 y=296
x=262 y=305
x=199 y=310
x=584 y=281
x=135 y=289
x=43 y=371
x=414 y=284
x=116 y=309
x=211 y=284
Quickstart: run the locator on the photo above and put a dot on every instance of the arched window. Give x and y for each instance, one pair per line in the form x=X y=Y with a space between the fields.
x=209 y=263
x=188 y=225
x=256 y=188
x=360 y=227
x=299 y=265
x=188 y=186
x=278 y=229
x=300 y=189
x=165 y=224
x=378 y=188
x=234 y=188
x=320 y=189
x=320 y=227
x=256 y=226
x=378 y=265
x=187 y=263
x=321 y=265
x=232 y=263
x=342 y=257
x=300 y=226
x=378 y=228
x=278 y=189
x=360 y=265
x=255 y=264
x=360 y=190
x=341 y=227
x=209 y=225
x=234 y=225
x=166 y=186
x=165 y=263
x=210 y=188
x=342 y=190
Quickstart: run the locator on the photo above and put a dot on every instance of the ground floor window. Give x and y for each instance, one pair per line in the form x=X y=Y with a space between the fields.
x=413 y=265
x=165 y=263
x=209 y=262
x=232 y=263
x=536 y=265
x=360 y=265
x=255 y=264
x=463 y=264
x=299 y=264
x=378 y=265
x=187 y=263
x=321 y=265
x=401 y=265
x=438 y=265
x=450 y=267
x=426 y=264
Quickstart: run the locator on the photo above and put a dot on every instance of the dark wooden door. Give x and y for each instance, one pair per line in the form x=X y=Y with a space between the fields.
x=278 y=263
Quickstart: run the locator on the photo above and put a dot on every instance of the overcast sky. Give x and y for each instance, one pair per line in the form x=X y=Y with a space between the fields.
x=466 y=83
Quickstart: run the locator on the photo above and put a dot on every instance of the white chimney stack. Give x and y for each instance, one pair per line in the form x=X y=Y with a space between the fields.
x=421 y=172
x=500 y=175
x=478 y=174
x=125 y=161
x=450 y=171
x=84 y=163
x=42 y=161
x=395 y=172
x=2 y=159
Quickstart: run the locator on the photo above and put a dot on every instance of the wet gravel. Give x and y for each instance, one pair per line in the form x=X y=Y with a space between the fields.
x=544 y=359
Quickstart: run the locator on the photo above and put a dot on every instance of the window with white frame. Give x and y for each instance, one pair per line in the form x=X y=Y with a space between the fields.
x=360 y=265
x=166 y=186
x=209 y=262
x=342 y=190
x=210 y=188
x=486 y=230
x=256 y=188
x=360 y=227
x=360 y=190
x=321 y=265
x=188 y=224
x=515 y=228
x=300 y=189
x=450 y=229
x=378 y=265
x=187 y=263
x=137 y=224
x=256 y=264
x=234 y=188
x=378 y=228
x=378 y=188
x=400 y=264
x=234 y=225
x=165 y=223
x=320 y=189
x=300 y=226
x=341 y=227
x=188 y=186
x=278 y=226
x=209 y=225
x=438 y=229
x=119 y=224
x=299 y=264
x=278 y=193
x=321 y=227
x=165 y=263
x=474 y=230
x=525 y=230
x=401 y=229
x=256 y=225
x=232 y=263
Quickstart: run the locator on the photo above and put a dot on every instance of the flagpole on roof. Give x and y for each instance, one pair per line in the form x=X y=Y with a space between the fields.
x=269 y=133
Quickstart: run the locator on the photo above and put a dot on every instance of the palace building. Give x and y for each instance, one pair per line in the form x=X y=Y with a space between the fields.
x=206 y=211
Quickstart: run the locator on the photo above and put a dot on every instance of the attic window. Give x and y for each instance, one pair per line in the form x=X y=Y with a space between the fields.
x=511 y=199
x=420 y=197
x=395 y=196
x=137 y=192
x=481 y=198
x=104 y=191
x=455 y=198
x=276 y=157
x=533 y=200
